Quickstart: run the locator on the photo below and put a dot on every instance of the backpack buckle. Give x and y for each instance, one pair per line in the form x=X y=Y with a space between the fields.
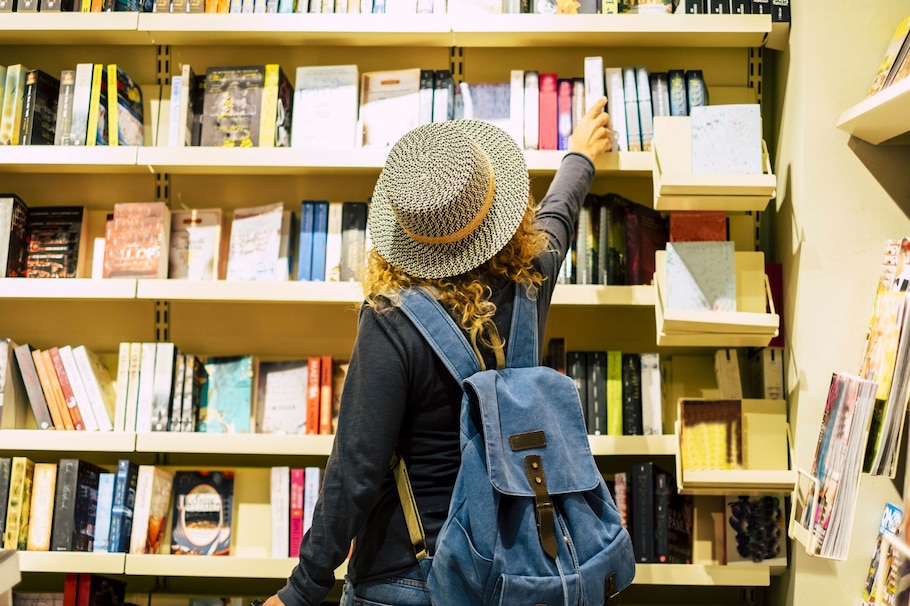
x=543 y=508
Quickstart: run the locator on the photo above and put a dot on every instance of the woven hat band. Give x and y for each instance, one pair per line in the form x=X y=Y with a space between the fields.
x=467 y=229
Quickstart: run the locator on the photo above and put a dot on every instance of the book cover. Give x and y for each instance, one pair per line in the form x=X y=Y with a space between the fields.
x=892 y=51
x=103 y=511
x=646 y=232
x=98 y=385
x=82 y=96
x=13 y=236
x=631 y=395
x=255 y=243
x=15 y=412
x=154 y=485
x=644 y=477
x=281 y=397
x=41 y=507
x=94 y=589
x=122 y=505
x=676 y=84
x=701 y=276
x=203 y=502
x=182 y=222
x=182 y=111
x=891 y=524
x=229 y=399
x=675 y=520
x=726 y=139
x=276 y=110
x=325 y=107
x=39 y=405
x=698 y=226
x=13 y=101
x=75 y=505
x=389 y=106
x=15 y=532
x=710 y=434
x=660 y=94
x=232 y=105
x=139 y=240
x=353 y=241
x=488 y=101
x=58 y=241
x=39 y=108
x=126 y=123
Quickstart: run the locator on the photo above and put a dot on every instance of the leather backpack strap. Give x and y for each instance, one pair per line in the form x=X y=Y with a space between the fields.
x=409 y=507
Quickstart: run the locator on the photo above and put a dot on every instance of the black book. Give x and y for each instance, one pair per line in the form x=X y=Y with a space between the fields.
x=673 y=520
x=761 y=7
x=741 y=7
x=39 y=108
x=75 y=505
x=597 y=393
x=644 y=489
x=577 y=368
x=6 y=466
x=780 y=11
x=631 y=395
x=13 y=236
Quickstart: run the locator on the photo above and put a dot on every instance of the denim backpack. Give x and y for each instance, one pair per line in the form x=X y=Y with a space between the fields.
x=531 y=521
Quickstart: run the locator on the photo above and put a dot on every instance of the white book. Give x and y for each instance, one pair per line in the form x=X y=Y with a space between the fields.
x=98 y=384
x=645 y=113
x=86 y=408
x=173 y=131
x=152 y=509
x=726 y=139
x=163 y=385
x=132 y=396
x=517 y=106
x=616 y=106
x=594 y=81
x=281 y=511
x=98 y=257
x=325 y=107
x=122 y=386
x=312 y=482
x=179 y=246
x=633 y=123
x=531 y=109
x=255 y=243
x=389 y=106
x=701 y=276
x=146 y=395
x=139 y=532
x=333 y=243
x=651 y=398
x=103 y=507
x=203 y=252
x=82 y=93
x=15 y=410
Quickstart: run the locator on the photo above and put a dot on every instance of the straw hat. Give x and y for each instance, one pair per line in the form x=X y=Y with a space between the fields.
x=450 y=196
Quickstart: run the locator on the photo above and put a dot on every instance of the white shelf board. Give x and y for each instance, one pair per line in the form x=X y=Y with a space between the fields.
x=298 y=29
x=70 y=158
x=879 y=117
x=678 y=30
x=260 y=160
x=67 y=441
x=59 y=28
x=738 y=480
x=619 y=296
x=9 y=571
x=234 y=444
x=209 y=566
x=67 y=288
x=71 y=561
x=627 y=164
x=224 y=291
x=697 y=574
x=633 y=445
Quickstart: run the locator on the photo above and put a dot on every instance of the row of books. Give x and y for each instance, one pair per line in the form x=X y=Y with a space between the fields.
x=147 y=240
x=779 y=8
x=94 y=104
x=160 y=388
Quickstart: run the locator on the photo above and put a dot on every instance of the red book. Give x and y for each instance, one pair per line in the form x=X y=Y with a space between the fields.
x=313 y=394
x=698 y=226
x=70 y=589
x=548 y=116
x=325 y=396
x=68 y=396
x=296 y=521
x=775 y=274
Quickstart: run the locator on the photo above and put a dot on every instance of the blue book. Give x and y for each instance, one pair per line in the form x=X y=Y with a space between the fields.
x=122 y=506
x=320 y=238
x=103 y=511
x=230 y=395
x=305 y=241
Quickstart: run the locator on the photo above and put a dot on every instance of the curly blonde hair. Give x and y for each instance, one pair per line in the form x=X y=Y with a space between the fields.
x=466 y=294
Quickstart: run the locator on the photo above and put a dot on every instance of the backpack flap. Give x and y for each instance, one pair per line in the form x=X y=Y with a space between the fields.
x=533 y=411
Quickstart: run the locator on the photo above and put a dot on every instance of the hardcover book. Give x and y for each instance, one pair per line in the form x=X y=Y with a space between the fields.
x=281 y=400
x=64 y=120
x=353 y=241
x=122 y=506
x=154 y=486
x=15 y=531
x=39 y=108
x=276 y=108
x=75 y=505
x=203 y=502
x=183 y=226
x=13 y=235
x=58 y=242
x=255 y=243
x=232 y=105
x=389 y=105
x=98 y=385
x=138 y=243
x=13 y=101
x=14 y=404
x=103 y=512
x=726 y=139
x=39 y=404
x=126 y=124
x=228 y=403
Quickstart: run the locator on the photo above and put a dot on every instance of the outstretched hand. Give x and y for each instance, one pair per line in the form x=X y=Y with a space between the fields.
x=274 y=601
x=592 y=135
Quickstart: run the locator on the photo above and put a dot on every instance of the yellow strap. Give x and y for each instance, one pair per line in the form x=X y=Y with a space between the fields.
x=409 y=507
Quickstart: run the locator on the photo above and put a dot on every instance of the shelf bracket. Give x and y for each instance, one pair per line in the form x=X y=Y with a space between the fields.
x=456 y=63
x=162 y=321
x=163 y=77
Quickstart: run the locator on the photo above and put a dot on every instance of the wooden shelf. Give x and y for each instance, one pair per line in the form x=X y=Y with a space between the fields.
x=69 y=159
x=695 y=574
x=67 y=441
x=234 y=444
x=260 y=160
x=599 y=295
x=9 y=572
x=211 y=567
x=71 y=561
x=72 y=28
x=626 y=164
x=347 y=293
x=67 y=289
x=882 y=117
x=633 y=445
x=739 y=480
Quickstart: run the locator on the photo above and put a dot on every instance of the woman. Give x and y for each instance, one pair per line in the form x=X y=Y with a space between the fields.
x=451 y=210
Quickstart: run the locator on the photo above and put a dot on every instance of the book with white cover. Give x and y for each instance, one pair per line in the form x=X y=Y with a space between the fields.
x=325 y=107
x=181 y=222
x=280 y=407
x=255 y=243
x=726 y=139
x=701 y=276
x=86 y=407
x=389 y=105
x=98 y=383
x=616 y=106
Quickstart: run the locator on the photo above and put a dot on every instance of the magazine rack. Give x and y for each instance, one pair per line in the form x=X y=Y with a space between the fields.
x=754 y=326
x=676 y=187
x=764 y=429
x=804 y=514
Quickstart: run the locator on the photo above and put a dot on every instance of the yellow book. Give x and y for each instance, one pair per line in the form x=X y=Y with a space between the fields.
x=267 y=123
x=892 y=52
x=113 y=123
x=614 y=393
x=42 y=507
x=20 y=489
x=94 y=105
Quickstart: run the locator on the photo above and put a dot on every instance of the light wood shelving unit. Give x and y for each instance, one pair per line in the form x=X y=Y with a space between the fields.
x=298 y=319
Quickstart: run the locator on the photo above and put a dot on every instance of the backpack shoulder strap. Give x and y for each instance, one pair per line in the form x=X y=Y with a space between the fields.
x=440 y=331
x=523 y=331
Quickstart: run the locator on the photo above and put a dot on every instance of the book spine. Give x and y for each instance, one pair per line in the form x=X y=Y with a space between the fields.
x=651 y=399
x=86 y=506
x=6 y=466
x=564 y=110
x=633 y=120
x=65 y=505
x=14 y=503
x=82 y=93
x=662 y=491
x=59 y=412
x=577 y=368
x=676 y=85
x=314 y=376
x=269 y=106
x=333 y=242
x=123 y=378
x=616 y=106
x=312 y=483
x=33 y=388
x=80 y=421
x=94 y=105
x=325 y=395
x=175 y=416
x=103 y=512
x=70 y=369
x=122 y=506
x=631 y=395
x=531 y=109
x=548 y=111
x=141 y=509
x=614 y=393
x=42 y=507
x=93 y=373
x=517 y=106
x=162 y=388
x=643 y=512
x=280 y=505
x=320 y=235
x=29 y=98
x=597 y=392
x=296 y=512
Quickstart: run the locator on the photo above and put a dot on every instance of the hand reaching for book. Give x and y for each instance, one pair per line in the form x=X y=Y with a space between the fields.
x=592 y=135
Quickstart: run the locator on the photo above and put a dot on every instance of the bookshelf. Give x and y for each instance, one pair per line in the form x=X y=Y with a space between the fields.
x=880 y=118
x=298 y=319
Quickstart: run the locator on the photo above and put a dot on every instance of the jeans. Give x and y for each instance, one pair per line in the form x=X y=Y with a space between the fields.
x=407 y=589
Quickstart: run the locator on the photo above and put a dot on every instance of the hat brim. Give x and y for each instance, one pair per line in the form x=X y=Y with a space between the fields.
x=510 y=201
